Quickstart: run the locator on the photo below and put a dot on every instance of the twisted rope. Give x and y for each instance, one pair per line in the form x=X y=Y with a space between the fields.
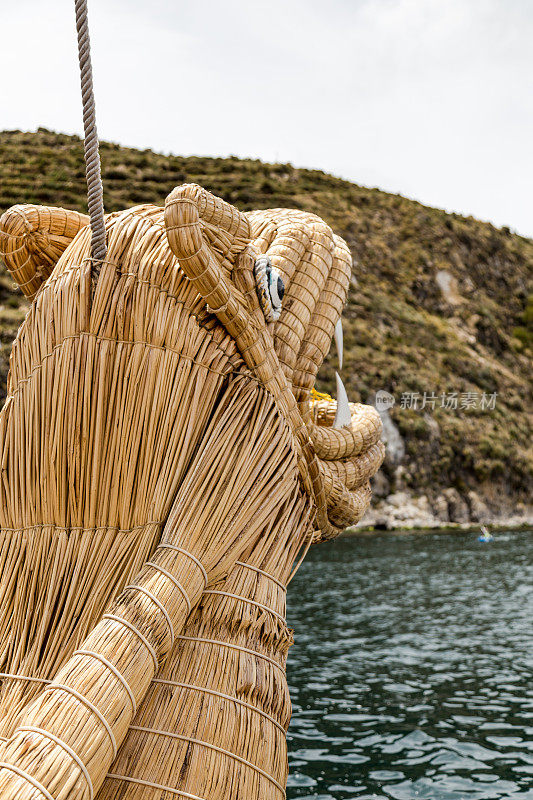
x=95 y=191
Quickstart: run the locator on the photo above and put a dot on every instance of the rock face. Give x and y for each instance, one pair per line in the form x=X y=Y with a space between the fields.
x=478 y=509
x=395 y=447
x=440 y=508
x=457 y=507
x=402 y=510
x=380 y=484
x=449 y=287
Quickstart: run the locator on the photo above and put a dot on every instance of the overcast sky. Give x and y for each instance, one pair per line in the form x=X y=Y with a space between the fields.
x=429 y=98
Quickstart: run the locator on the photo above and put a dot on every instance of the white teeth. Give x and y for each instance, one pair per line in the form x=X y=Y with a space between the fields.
x=339 y=341
x=274 y=296
x=343 y=417
x=273 y=290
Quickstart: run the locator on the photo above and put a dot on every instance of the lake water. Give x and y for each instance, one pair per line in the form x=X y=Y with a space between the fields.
x=411 y=670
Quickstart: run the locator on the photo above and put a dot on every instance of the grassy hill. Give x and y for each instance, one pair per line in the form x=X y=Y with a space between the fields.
x=439 y=303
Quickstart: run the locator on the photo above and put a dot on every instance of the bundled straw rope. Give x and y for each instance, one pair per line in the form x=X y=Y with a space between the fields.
x=225 y=682
x=201 y=447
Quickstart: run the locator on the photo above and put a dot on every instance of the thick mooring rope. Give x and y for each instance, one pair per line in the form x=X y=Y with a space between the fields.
x=95 y=191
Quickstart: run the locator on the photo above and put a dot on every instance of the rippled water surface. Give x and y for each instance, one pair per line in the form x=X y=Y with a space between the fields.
x=411 y=671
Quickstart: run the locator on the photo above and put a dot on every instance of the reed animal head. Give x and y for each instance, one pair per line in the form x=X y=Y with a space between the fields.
x=113 y=390
x=276 y=282
x=161 y=424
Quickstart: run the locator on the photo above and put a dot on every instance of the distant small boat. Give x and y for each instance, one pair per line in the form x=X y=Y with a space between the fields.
x=486 y=536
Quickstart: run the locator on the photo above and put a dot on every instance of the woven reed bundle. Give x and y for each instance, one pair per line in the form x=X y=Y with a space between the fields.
x=155 y=366
x=97 y=505
x=214 y=720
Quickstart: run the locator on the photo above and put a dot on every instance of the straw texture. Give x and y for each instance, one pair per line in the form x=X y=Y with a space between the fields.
x=223 y=687
x=32 y=238
x=150 y=440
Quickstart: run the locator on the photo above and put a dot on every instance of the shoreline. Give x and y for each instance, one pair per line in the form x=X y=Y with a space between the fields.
x=493 y=527
x=446 y=511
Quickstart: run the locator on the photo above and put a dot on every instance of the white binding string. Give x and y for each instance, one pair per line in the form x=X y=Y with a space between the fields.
x=221 y=750
x=160 y=606
x=198 y=563
x=92 y=654
x=60 y=743
x=96 y=711
x=118 y=675
x=137 y=632
x=27 y=777
x=246 y=600
x=151 y=785
x=229 y=697
x=174 y=580
x=24 y=677
x=262 y=572
x=232 y=647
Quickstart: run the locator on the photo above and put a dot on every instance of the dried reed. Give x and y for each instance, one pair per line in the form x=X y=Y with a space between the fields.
x=195 y=435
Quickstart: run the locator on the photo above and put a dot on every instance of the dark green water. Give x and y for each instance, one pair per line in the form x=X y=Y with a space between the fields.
x=411 y=671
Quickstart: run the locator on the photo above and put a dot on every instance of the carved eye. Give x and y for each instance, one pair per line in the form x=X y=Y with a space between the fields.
x=270 y=288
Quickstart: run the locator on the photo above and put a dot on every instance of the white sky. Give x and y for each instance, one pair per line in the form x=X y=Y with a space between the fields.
x=429 y=98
